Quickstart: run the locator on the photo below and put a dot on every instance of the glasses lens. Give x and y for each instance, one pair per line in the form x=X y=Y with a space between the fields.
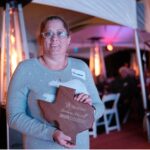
x=47 y=34
x=59 y=34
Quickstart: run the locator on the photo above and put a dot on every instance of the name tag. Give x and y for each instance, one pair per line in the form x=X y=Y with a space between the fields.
x=78 y=73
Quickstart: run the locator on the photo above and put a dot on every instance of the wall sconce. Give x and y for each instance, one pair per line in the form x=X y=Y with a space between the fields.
x=14 y=46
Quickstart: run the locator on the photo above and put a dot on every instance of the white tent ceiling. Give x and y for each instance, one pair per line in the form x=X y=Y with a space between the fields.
x=118 y=11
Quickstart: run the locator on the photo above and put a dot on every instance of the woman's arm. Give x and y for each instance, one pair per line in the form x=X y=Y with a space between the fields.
x=17 y=108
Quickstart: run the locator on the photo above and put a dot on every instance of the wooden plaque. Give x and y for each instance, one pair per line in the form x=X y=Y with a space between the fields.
x=70 y=116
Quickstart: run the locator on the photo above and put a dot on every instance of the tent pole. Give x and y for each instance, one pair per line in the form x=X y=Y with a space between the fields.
x=141 y=70
x=23 y=32
x=146 y=115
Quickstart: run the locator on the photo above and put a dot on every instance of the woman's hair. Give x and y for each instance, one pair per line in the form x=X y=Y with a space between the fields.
x=50 y=18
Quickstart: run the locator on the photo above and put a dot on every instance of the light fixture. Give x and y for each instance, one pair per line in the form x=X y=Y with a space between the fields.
x=109 y=47
x=134 y=64
x=13 y=42
x=97 y=64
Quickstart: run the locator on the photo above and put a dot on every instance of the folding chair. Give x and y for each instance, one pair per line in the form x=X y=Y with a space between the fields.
x=93 y=130
x=110 y=101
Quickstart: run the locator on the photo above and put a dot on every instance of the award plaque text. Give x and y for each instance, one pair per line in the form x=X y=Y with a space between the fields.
x=70 y=116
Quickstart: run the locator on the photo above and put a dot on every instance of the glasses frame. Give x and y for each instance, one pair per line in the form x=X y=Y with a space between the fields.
x=58 y=34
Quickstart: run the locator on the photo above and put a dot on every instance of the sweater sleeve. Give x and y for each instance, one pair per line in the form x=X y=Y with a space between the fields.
x=17 y=105
x=96 y=101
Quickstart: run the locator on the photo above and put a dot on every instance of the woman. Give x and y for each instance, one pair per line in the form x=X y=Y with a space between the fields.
x=38 y=78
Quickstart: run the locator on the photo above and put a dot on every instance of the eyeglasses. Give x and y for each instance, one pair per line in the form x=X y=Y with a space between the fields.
x=50 y=34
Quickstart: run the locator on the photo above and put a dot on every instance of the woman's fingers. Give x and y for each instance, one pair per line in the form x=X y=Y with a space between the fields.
x=88 y=101
x=62 y=139
x=65 y=141
x=84 y=98
x=81 y=97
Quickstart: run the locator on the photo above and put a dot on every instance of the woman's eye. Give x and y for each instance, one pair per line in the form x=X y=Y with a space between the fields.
x=48 y=34
x=62 y=34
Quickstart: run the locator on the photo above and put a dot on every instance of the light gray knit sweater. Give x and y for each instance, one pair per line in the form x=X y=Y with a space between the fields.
x=32 y=81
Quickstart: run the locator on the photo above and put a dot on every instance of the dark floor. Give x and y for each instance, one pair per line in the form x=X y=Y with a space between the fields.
x=131 y=136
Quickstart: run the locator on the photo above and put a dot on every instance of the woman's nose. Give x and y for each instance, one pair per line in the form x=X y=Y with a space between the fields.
x=54 y=37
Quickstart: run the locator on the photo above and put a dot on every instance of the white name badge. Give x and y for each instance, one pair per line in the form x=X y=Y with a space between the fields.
x=78 y=73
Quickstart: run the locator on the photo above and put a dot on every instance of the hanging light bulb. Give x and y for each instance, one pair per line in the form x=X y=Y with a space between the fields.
x=109 y=47
x=13 y=42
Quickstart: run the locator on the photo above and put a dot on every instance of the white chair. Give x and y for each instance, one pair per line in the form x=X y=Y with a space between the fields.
x=93 y=130
x=110 y=112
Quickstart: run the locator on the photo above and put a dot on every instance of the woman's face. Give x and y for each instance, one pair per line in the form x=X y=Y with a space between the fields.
x=55 y=39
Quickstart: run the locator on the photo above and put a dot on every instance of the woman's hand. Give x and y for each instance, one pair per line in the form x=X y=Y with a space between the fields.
x=62 y=139
x=84 y=98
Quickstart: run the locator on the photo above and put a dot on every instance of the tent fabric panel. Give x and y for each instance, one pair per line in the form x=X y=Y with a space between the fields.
x=147 y=15
x=119 y=11
x=140 y=16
